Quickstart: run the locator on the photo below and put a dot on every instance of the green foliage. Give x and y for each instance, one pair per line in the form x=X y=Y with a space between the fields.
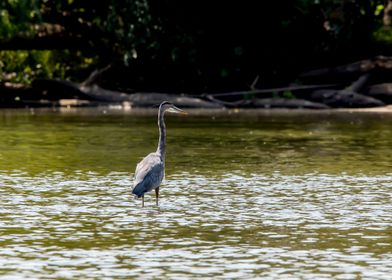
x=383 y=35
x=18 y=17
x=288 y=94
x=25 y=66
x=249 y=96
x=131 y=28
x=194 y=44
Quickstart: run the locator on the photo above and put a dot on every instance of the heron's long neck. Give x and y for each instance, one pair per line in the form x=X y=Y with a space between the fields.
x=162 y=134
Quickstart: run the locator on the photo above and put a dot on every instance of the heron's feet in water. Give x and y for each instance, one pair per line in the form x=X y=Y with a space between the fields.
x=156 y=197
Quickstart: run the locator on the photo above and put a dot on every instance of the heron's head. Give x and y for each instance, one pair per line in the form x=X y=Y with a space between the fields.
x=169 y=107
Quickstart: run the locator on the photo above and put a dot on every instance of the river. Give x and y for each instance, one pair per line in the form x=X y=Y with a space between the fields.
x=247 y=194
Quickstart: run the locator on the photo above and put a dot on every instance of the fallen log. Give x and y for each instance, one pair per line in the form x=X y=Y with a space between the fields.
x=59 y=89
x=382 y=92
x=270 y=90
x=289 y=103
x=380 y=63
x=153 y=99
x=344 y=99
x=350 y=97
x=277 y=102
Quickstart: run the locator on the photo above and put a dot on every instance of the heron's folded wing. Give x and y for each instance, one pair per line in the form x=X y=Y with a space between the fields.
x=150 y=170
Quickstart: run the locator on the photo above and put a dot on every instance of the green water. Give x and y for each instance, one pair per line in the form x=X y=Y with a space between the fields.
x=268 y=194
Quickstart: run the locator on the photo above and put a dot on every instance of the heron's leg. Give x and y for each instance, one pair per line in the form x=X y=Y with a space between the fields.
x=157 y=195
x=143 y=201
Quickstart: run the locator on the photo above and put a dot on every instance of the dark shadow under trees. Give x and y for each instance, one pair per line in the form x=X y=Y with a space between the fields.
x=193 y=46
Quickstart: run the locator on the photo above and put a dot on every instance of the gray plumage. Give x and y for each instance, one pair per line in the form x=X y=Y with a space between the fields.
x=150 y=171
x=149 y=174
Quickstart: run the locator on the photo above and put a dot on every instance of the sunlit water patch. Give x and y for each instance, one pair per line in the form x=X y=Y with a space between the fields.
x=234 y=225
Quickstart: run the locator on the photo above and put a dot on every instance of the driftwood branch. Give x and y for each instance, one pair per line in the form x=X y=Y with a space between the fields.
x=271 y=90
x=96 y=76
x=254 y=83
x=359 y=84
x=226 y=103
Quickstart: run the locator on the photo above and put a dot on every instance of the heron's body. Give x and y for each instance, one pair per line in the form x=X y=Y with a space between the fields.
x=151 y=170
x=149 y=174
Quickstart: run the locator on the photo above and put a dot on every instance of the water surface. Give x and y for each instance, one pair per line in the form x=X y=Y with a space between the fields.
x=266 y=194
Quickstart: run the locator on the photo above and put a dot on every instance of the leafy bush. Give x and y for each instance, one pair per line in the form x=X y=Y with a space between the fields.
x=192 y=45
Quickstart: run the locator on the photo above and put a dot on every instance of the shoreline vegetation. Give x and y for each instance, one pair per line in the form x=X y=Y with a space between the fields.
x=363 y=84
x=301 y=54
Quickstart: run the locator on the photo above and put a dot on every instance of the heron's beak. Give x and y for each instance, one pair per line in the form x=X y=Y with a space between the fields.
x=177 y=110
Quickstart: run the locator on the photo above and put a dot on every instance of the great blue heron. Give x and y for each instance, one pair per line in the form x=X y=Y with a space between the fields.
x=151 y=170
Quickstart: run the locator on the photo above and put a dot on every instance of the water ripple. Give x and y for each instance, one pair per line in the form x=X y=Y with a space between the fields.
x=87 y=225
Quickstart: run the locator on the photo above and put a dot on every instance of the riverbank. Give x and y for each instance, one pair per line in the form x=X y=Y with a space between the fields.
x=362 y=84
x=202 y=112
